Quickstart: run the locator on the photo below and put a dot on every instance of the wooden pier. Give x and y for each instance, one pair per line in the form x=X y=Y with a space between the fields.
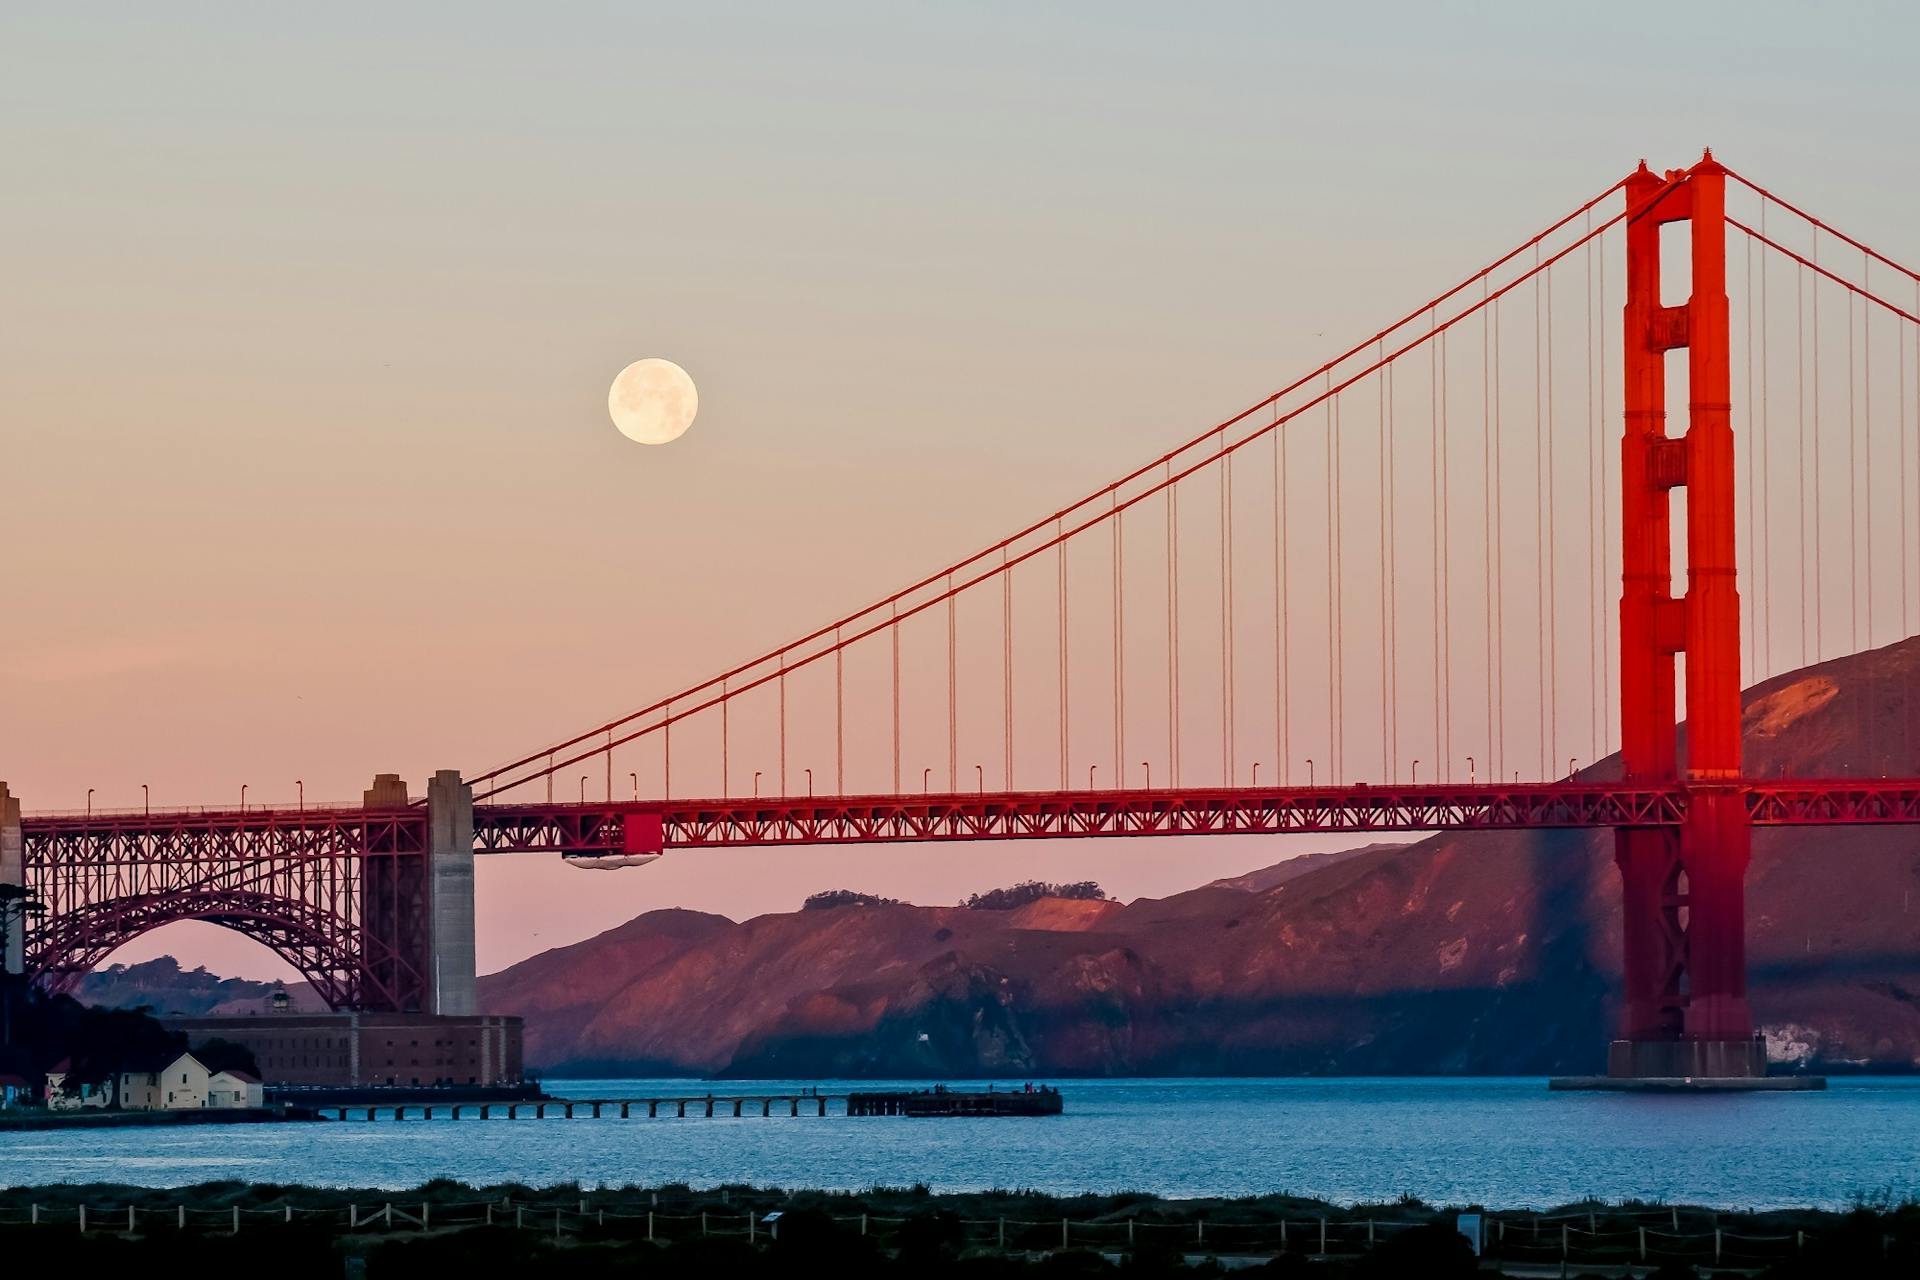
x=706 y=1106
x=941 y=1101
x=938 y=1101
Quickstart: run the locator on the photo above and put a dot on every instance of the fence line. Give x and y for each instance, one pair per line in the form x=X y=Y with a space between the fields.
x=1541 y=1235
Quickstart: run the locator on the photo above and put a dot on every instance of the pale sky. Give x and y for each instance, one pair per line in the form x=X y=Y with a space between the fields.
x=310 y=315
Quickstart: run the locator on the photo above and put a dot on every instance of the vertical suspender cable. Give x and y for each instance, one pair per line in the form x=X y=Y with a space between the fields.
x=1006 y=671
x=1819 y=532
x=1174 y=630
x=1606 y=543
x=1593 y=532
x=1486 y=497
x=1751 y=599
x=1540 y=516
x=1119 y=645
x=1800 y=396
x=1386 y=630
x=839 y=714
x=1228 y=764
x=1499 y=567
x=1444 y=759
x=1765 y=583
x=783 y=722
x=1433 y=481
x=1853 y=495
x=1391 y=694
x=1280 y=710
x=1553 y=559
x=1899 y=352
x=1333 y=576
x=894 y=632
x=1866 y=414
x=953 y=692
x=726 y=770
x=1065 y=744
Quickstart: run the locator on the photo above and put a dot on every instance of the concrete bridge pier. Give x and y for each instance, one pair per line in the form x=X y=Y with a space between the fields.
x=450 y=893
x=13 y=871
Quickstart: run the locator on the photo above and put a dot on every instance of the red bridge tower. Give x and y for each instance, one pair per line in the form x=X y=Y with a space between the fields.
x=1684 y=888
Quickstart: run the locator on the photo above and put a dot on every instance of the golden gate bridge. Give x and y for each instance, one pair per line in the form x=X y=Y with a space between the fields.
x=1339 y=585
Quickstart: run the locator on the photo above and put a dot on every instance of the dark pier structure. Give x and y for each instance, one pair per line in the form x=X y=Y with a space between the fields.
x=941 y=1101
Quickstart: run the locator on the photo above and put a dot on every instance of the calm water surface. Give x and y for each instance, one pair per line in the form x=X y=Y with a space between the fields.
x=1504 y=1143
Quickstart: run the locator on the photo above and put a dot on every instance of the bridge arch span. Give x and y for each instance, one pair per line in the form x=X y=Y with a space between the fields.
x=328 y=952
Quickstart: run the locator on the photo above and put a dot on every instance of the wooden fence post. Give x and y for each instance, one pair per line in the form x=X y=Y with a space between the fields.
x=288 y=1218
x=1563 y=1240
x=703 y=1223
x=649 y=1224
x=1643 y=1244
x=129 y=1219
x=753 y=1228
x=1716 y=1246
x=1283 y=1235
x=353 y=1217
x=426 y=1221
x=236 y=1219
x=182 y=1222
x=83 y=1219
x=1003 y=1233
x=34 y=1215
x=1323 y=1235
x=1369 y=1233
x=1063 y=1233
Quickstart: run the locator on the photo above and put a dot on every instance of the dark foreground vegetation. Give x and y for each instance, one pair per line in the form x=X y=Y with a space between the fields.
x=451 y=1228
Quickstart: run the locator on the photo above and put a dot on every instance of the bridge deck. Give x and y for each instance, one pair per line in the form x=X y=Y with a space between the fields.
x=656 y=825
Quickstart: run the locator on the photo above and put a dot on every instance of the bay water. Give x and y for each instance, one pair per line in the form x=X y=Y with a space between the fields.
x=1503 y=1143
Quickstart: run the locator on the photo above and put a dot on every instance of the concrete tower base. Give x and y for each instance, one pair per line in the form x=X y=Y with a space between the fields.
x=1688 y=1066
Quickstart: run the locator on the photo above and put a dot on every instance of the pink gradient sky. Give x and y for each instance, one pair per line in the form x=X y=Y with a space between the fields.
x=310 y=317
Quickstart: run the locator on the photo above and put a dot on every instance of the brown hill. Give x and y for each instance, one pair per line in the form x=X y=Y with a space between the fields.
x=1465 y=952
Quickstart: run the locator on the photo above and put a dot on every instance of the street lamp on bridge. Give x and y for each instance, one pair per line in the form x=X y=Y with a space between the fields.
x=1416 y=773
x=243 y=797
x=636 y=786
x=146 y=800
x=1309 y=770
x=89 y=802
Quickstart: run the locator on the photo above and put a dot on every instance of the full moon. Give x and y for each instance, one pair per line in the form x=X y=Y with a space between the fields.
x=652 y=401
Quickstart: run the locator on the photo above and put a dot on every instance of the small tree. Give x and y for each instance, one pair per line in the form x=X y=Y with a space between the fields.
x=828 y=899
x=1016 y=896
x=224 y=1055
